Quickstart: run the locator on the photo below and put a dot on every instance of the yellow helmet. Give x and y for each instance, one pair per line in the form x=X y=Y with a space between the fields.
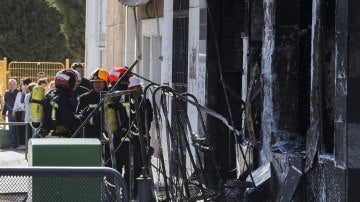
x=99 y=75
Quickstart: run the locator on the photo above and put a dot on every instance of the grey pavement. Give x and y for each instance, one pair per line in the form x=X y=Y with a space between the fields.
x=12 y=158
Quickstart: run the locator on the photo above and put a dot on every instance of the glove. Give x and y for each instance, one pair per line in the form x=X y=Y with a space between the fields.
x=41 y=133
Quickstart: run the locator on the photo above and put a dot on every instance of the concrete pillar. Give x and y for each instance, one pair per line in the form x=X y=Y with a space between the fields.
x=115 y=33
x=267 y=79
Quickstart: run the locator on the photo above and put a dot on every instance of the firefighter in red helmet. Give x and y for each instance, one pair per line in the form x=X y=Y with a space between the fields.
x=117 y=73
x=59 y=118
x=122 y=107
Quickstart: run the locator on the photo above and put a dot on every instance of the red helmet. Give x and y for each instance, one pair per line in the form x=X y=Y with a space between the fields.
x=117 y=73
x=65 y=78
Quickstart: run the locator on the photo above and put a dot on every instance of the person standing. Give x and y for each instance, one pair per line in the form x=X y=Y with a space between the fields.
x=19 y=110
x=9 y=100
x=78 y=90
x=80 y=68
x=59 y=117
x=89 y=101
x=40 y=75
x=140 y=140
x=28 y=108
x=122 y=138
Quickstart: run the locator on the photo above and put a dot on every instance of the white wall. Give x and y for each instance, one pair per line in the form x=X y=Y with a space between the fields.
x=95 y=29
x=130 y=38
x=167 y=31
x=151 y=65
x=167 y=42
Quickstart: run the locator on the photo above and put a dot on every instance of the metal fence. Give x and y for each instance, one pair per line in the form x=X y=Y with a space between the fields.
x=62 y=184
x=19 y=70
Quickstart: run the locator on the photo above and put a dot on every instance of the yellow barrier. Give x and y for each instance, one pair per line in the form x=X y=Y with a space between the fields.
x=3 y=77
x=3 y=82
x=20 y=70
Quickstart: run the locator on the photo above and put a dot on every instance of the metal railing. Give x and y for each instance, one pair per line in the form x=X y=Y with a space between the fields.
x=62 y=184
x=3 y=127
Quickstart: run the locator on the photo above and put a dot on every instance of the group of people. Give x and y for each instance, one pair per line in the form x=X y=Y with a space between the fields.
x=126 y=138
x=16 y=105
x=74 y=98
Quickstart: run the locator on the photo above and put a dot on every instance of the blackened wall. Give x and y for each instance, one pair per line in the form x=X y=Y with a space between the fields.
x=334 y=176
x=224 y=54
x=328 y=74
x=256 y=32
x=286 y=66
x=353 y=84
x=353 y=100
x=325 y=182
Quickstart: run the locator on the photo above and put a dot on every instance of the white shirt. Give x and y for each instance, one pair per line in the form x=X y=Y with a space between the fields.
x=18 y=106
x=27 y=107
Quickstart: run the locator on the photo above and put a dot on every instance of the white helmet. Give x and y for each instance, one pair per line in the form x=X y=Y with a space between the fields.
x=134 y=81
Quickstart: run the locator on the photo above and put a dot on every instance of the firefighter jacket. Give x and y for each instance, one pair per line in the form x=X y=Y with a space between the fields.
x=75 y=96
x=87 y=103
x=85 y=83
x=59 y=118
x=122 y=109
x=144 y=108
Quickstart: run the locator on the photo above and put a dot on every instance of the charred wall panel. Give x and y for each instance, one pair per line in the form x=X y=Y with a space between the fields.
x=326 y=183
x=328 y=74
x=256 y=31
x=354 y=62
x=341 y=74
x=256 y=28
x=353 y=86
x=353 y=185
x=212 y=81
x=228 y=23
x=286 y=67
x=303 y=117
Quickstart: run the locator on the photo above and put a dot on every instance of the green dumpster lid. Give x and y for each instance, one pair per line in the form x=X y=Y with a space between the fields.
x=57 y=141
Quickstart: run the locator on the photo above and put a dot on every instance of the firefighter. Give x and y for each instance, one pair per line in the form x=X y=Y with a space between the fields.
x=139 y=129
x=59 y=119
x=115 y=74
x=121 y=136
x=89 y=101
x=145 y=104
x=78 y=90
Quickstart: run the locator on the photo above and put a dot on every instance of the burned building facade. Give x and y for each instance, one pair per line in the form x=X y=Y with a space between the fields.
x=308 y=54
x=284 y=73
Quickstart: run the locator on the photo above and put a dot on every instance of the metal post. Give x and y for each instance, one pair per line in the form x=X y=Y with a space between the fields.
x=26 y=138
x=67 y=63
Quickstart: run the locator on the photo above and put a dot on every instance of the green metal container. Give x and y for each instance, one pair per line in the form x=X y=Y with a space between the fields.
x=65 y=152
